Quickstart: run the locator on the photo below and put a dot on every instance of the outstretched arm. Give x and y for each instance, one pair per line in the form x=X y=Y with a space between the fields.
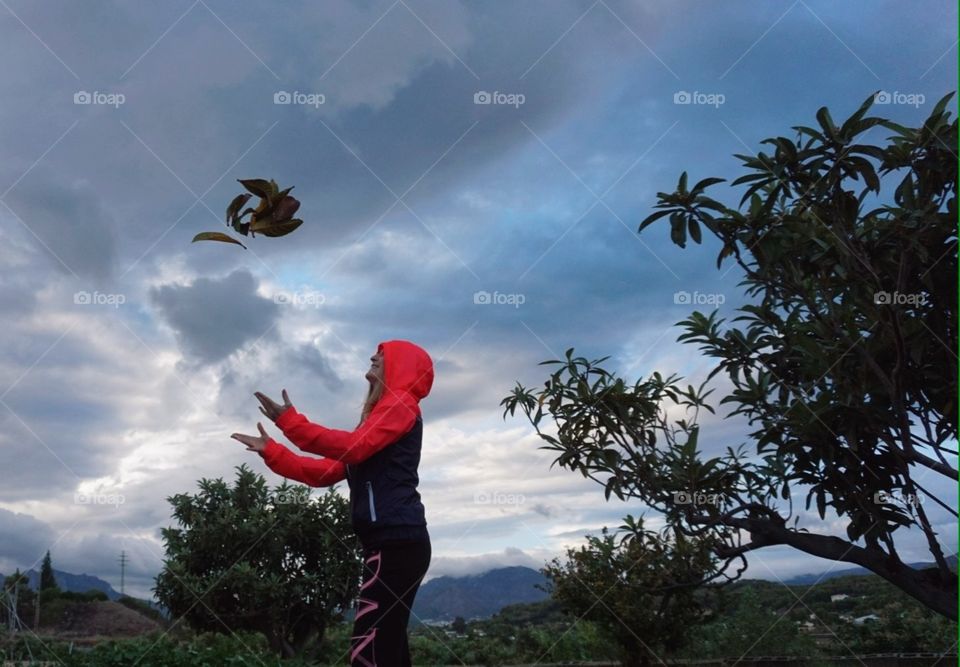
x=306 y=469
x=390 y=419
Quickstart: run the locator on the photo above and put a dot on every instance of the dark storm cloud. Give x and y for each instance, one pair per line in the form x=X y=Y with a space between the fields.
x=308 y=359
x=24 y=538
x=70 y=225
x=214 y=317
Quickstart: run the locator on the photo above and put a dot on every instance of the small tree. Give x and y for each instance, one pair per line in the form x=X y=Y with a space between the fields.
x=249 y=558
x=47 y=580
x=639 y=586
x=846 y=365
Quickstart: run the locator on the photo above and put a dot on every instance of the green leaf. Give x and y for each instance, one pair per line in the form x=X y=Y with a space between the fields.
x=694 y=229
x=216 y=236
x=677 y=232
x=826 y=122
x=705 y=183
x=653 y=217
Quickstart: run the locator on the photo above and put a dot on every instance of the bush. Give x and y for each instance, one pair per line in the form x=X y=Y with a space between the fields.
x=152 y=650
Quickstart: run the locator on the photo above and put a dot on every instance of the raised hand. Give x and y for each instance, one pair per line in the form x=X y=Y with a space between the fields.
x=253 y=443
x=269 y=408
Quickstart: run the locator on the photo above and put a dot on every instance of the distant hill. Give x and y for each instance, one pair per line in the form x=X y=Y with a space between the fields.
x=76 y=583
x=807 y=579
x=479 y=595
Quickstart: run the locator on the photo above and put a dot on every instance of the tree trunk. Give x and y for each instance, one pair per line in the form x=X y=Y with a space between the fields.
x=926 y=586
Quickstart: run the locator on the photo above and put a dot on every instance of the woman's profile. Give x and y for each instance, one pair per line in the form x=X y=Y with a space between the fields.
x=379 y=460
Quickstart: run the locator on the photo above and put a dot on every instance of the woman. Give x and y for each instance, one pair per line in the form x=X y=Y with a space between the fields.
x=379 y=459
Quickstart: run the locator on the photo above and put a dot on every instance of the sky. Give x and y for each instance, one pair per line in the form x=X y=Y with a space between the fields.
x=471 y=177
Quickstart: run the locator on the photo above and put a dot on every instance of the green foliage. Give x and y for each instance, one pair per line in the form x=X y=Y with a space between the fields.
x=845 y=365
x=153 y=650
x=47 y=580
x=245 y=557
x=91 y=595
x=749 y=626
x=642 y=588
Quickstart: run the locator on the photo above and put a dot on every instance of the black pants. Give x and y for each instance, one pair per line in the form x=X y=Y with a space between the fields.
x=392 y=573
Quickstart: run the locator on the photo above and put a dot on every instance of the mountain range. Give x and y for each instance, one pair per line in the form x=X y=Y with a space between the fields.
x=442 y=599
x=76 y=583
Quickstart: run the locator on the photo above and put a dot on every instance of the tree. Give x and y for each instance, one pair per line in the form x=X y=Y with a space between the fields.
x=459 y=625
x=47 y=580
x=746 y=627
x=845 y=364
x=245 y=557
x=640 y=587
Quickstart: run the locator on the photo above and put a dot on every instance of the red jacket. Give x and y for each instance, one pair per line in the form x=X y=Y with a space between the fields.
x=408 y=377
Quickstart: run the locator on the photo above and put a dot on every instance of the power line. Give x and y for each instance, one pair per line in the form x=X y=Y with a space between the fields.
x=123 y=569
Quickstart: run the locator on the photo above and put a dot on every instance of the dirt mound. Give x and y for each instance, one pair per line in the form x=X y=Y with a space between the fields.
x=103 y=619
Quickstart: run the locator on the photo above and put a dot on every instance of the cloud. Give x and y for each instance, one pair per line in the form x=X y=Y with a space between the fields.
x=213 y=317
x=24 y=538
x=71 y=224
x=469 y=565
x=314 y=364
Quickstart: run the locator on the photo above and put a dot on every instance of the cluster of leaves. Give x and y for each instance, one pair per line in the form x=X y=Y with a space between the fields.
x=246 y=557
x=273 y=216
x=642 y=588
x=851 y=388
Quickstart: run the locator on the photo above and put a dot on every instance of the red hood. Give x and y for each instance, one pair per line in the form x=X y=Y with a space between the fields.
x=407 y=368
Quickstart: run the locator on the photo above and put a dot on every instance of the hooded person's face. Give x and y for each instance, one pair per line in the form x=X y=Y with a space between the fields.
x=375 y=372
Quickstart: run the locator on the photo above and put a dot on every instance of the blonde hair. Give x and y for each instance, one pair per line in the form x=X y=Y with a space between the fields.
x=374 y=393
